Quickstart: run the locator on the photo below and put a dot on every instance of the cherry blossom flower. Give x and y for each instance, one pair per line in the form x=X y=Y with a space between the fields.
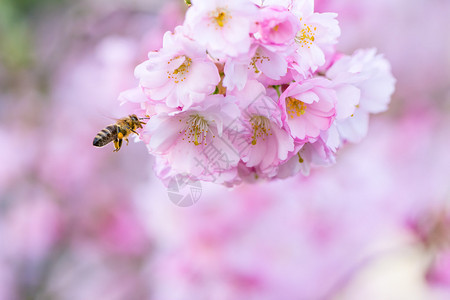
x=222 y=27
x=259 y=61
x=192 y=141
x=180 y=74
x=308 y=108
x=297 y=7
x=263 y=143
x=276 y=27
x=317 y=36
x=310 y=155
x=371 y=74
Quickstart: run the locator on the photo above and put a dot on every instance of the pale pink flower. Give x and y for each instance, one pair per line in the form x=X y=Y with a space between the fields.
x=276 y=27
x=310 y=155
x=259 y=61
x=331 y=138
x=371 y=74
x=297 y=7
x=348 y=97
x=248 y=175
x=317 y=36
x=236 y=71
x=347 y=100
x=138 y=101
x=192 y=141
x=222 y=26
x=139 y=104
x=285 y=79
x=180 y=74
x=263 y=143
x=355 y=128
x=270 y=63
x=308 y=108
x=208 y=169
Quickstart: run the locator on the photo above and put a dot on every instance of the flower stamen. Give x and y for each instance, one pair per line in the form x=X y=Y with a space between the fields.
x=261 y=128
x=306 y=35
x=295 y=107
x=196 y=129
x=300 y=158
x=220 y=17
x=180 y=73
x=257 y=58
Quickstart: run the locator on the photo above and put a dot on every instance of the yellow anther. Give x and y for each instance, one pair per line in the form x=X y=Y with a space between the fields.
x=295 y=107
x=257 y=58
x=261 y=128
x=196 y=130
x=220 y=17
x=306 y=35
x=179 y=74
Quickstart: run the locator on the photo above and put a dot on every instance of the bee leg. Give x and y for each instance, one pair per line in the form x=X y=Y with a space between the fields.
x=117 y=144
x=126 y=139
x=134 y=131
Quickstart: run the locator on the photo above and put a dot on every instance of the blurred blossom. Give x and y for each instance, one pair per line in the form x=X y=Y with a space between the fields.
x=77 y=222
x=30 y=228
x=433 y=231
x=115 y=228
x=7 y=281
x=438 y=273
x=61 y=201
x=410 y=36
x=33 y=226
x=13 y=167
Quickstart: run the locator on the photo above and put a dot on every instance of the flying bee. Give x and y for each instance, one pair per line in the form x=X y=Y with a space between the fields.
x=118 y=132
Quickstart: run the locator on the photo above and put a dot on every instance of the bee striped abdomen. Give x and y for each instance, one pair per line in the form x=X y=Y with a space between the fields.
x=106 y=135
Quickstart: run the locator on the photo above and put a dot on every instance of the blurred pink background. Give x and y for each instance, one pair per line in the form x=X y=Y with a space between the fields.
x=78 y=222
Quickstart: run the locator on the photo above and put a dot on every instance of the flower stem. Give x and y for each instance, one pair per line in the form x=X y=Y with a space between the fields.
x=277 y=88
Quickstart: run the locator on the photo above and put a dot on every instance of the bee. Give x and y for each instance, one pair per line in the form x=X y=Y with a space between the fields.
x=118 y=132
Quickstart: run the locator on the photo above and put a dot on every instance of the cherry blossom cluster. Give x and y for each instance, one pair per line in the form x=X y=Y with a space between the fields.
x=245 y=90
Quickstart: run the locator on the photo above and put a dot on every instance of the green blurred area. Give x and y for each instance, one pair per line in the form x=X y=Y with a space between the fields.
x=17 y=20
